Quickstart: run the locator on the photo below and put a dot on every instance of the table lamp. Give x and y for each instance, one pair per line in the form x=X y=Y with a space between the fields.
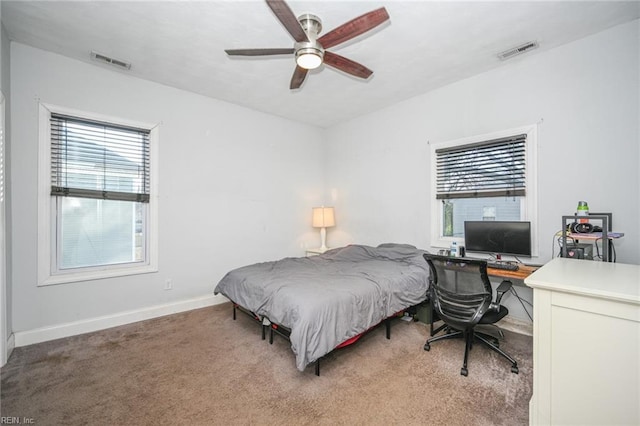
x=323 y=218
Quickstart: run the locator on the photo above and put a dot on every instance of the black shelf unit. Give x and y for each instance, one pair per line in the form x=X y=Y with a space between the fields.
x=605 y=219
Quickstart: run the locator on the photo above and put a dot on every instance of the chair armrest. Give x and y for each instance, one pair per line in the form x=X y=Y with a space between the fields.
x=504 y=287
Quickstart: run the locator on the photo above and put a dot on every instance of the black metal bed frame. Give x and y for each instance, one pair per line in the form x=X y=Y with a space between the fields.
x=286 y=332
x=252 y=315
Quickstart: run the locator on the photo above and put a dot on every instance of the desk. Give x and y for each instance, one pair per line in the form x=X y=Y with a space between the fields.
x=517 y=323
x=586 y=343
x=523 y=272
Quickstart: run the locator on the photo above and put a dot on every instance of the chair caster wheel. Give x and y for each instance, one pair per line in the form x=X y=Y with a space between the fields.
x=427 y=347
x=514 y=369
x=464 y=372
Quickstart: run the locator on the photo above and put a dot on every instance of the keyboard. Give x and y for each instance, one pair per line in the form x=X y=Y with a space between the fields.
x=503 y=265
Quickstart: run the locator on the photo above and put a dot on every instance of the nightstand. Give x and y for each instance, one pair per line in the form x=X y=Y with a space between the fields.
x=314 y=251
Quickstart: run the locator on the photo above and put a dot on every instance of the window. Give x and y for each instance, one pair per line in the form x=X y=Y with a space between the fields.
x=488 y=177
x=98 y=173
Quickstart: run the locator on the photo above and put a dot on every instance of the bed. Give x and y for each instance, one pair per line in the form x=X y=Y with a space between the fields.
x=324 y=301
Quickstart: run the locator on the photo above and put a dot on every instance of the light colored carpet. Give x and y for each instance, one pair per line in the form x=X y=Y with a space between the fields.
x=203 y=368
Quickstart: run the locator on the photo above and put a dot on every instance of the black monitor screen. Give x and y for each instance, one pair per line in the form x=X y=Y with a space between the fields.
x=498 y=237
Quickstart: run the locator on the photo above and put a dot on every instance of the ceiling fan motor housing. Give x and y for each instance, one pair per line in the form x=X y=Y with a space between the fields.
x=309 y=47
x=312 y=25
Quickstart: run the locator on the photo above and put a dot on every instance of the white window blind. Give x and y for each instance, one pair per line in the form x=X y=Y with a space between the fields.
x=492 y=168
x=91 y=159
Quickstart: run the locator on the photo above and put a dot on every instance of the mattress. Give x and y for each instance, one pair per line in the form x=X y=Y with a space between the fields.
x=327 y=299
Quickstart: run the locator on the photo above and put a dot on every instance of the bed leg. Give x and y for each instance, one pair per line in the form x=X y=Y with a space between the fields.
x=264 y=331
x=318 y=368
x=387 y=324
x=234 y=311
x=271 y=335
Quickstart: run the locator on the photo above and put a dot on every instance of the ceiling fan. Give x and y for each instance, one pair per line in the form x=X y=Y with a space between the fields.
x=310 y=51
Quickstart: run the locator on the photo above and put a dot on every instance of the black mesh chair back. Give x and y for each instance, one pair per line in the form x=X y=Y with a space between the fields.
x=462 y=297
x=461 y=290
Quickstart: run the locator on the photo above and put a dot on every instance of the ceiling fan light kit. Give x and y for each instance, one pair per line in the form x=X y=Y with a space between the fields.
x=310 y=51
x=309 y=54
x=309 y=58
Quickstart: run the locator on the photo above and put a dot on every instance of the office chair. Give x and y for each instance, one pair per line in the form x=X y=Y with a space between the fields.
x=461 y=295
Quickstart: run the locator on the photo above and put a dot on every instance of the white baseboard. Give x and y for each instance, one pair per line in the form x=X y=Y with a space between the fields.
x=10 y=344
x=23 y=338
x=516 y=325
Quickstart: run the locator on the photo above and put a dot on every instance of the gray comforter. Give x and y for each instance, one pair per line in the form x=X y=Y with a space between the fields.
x=327 y=299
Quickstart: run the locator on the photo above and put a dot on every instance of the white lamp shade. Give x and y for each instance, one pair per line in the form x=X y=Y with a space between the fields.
x=323 y=217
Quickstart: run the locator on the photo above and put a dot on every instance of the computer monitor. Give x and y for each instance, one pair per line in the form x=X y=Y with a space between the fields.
x=498 y=237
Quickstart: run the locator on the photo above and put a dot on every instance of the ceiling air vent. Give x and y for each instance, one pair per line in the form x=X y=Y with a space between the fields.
x=518 y=50
x=111 y=61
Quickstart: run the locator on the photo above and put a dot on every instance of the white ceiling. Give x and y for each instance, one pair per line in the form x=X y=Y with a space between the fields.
x=425 y=45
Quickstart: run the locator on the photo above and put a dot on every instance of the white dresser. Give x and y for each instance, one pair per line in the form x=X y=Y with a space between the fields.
x=586 y=343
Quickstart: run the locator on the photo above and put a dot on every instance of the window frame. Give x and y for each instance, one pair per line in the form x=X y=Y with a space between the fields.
x=48 y=274
x=529 y=210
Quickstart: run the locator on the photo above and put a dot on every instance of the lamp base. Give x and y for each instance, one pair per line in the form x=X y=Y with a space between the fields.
x=323 y=239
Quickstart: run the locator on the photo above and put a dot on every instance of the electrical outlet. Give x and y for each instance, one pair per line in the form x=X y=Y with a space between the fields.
x=168 y=284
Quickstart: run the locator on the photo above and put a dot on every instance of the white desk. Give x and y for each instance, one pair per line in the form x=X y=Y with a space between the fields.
x=586 y=343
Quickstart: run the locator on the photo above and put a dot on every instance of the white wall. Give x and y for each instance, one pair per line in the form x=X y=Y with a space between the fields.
x=6 y=342
x=236 y=187
x=584 y=94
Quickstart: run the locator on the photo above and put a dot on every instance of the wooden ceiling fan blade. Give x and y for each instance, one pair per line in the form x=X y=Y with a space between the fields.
x=288 y=19
x=354 y=28
x=298 y=77
x=346 y=65
x=259 y=52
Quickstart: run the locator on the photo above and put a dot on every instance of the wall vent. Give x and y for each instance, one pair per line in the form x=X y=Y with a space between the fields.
x=111 y=61
x=517 y=50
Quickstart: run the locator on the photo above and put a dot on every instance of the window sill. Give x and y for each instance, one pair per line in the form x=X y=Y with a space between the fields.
x=96 y=275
